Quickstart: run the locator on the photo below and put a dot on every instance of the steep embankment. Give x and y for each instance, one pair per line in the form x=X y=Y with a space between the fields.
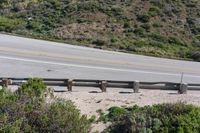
x=166 y=28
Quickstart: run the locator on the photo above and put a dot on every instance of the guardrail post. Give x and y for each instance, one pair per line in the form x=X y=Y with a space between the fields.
x=103 y=85
x=183 y=88
x=6 y=82
x=69 y=85
x=136 y=86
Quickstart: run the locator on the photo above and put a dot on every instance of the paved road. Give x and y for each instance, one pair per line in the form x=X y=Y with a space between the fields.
x=22 y=57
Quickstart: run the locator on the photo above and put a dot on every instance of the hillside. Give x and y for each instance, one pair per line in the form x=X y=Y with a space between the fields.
x=165 y=28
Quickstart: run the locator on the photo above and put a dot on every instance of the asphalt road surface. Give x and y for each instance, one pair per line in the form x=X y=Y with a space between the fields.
x=23 y=57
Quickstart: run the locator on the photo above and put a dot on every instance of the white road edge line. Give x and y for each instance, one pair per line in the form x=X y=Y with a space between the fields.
x=91 y=67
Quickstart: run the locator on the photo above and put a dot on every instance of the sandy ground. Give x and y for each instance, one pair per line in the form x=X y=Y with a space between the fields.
x=90 y=100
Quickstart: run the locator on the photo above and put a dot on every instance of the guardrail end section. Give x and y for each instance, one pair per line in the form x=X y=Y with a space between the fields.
x=103 y=86
x=136 y=86
x=183 y=88
x=69 y=85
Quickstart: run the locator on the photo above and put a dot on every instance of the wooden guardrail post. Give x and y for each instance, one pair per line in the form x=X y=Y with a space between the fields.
x=136 y=86
x=103 y=85
x=6 y=82
x=69 y=85
x=183 y=88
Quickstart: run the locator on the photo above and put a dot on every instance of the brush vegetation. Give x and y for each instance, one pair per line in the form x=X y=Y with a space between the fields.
x=161 y=118
x=28 y=111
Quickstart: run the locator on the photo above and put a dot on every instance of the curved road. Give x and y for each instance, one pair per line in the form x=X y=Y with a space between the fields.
x=23 y=57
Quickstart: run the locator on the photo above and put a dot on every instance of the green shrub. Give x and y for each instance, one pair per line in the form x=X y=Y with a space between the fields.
x=141 y=43
x=154 y=11
x=33 y=87
x=61 y=117
x=113 y=40
x=92 y=119
x=158 y=3
x=143 y=18
x=126 y=25
x=28 y=111
x=146 y=26
x=114 y=112
x=174 y=40
x=7 y=24
x=116 y=10
x=6 y=98
x=88 y=6
x=99 y=42
x=157 y=25
x=33 y=25
x=158 y=44
x=161 y=118
x=158 y=37
x=140 y=32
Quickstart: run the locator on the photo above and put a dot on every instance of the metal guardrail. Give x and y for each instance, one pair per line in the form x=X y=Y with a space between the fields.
x=104 y=84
